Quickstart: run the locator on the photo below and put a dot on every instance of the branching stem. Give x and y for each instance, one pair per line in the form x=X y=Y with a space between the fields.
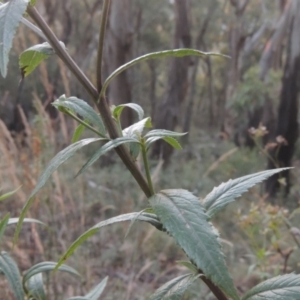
x=89 y=87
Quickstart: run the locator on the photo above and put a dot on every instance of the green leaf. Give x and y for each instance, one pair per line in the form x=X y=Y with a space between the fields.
x=145 y=217
x=81 y=108
x=96 y=292
x=155 y=55
x=135 y=131
x=227 y=192
x=77 y=133
x=117 y=111
x=104 y=149
x=162 y=133
x=59 y=159
x=46 y=267
x=285 y=287
x=173 y=142
x=11 y=272
x=170 y=140
x=33 y=56
x=7 y=195
x=26 y=220
x=3 y=225
x=35 y=287
x=175 y=288
x=183 y=216
x=10 y=16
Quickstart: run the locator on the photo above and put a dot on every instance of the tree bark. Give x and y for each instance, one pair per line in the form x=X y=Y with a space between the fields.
x=287 y=124
x=168 y=111
x=118 y=47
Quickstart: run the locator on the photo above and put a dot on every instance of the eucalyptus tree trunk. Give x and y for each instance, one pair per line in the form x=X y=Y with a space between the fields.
x=287 y=124
x=168 y=112
x=118 y=47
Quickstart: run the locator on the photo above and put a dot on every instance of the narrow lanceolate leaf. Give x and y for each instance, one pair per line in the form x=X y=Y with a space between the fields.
x=33 y=56
x=174 y=289
x=227 y=192
x=3 y=225
x=104 y=149
x=145 y=217
x=155 y=55
x=170 y=140
x=183 y=216
x=59 y=159
x=26 y=220
x=46 y=267
x=11 y=272
x=96 y=292
x=77 y=133
x=81 y=108
x=285 y=287
x=10 y=15
x=168 y=136
x=117 y=111
x=35 y=287
x=9 y=194
x=163 y=133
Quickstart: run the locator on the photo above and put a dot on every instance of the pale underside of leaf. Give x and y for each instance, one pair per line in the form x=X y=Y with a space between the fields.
x=10 y=270
x=183 y=216
x=227 y=192
x=35 y=287
x=285 y=287
x=47 y=266
x=175 y=288
x=137 y=108
x=10 y=15
x=81 y=108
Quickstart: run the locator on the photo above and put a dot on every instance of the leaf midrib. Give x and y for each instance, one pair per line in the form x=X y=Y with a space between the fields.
x=194 y=233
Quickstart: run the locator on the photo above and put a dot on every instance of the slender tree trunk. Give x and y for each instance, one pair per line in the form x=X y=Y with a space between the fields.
x=287 y=124
x=168 y=111
x=118 y=45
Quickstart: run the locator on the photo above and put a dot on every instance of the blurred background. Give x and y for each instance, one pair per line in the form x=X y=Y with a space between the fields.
x=241 y=115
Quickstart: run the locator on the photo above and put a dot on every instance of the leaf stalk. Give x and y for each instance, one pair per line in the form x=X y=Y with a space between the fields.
x=146 y=165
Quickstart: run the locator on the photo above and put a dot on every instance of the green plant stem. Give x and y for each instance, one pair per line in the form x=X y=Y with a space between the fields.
x=105 y=10
x=84 y=123
x=102 y=105
x=146 y=165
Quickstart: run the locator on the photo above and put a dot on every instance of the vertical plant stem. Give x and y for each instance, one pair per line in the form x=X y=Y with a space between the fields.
x=146 y=164
x=89 y=87
x=105 y=10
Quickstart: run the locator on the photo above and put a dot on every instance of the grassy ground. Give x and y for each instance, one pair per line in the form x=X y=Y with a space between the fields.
x=255 y=238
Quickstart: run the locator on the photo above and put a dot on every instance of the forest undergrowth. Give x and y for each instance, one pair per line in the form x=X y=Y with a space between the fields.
x=263 y=243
